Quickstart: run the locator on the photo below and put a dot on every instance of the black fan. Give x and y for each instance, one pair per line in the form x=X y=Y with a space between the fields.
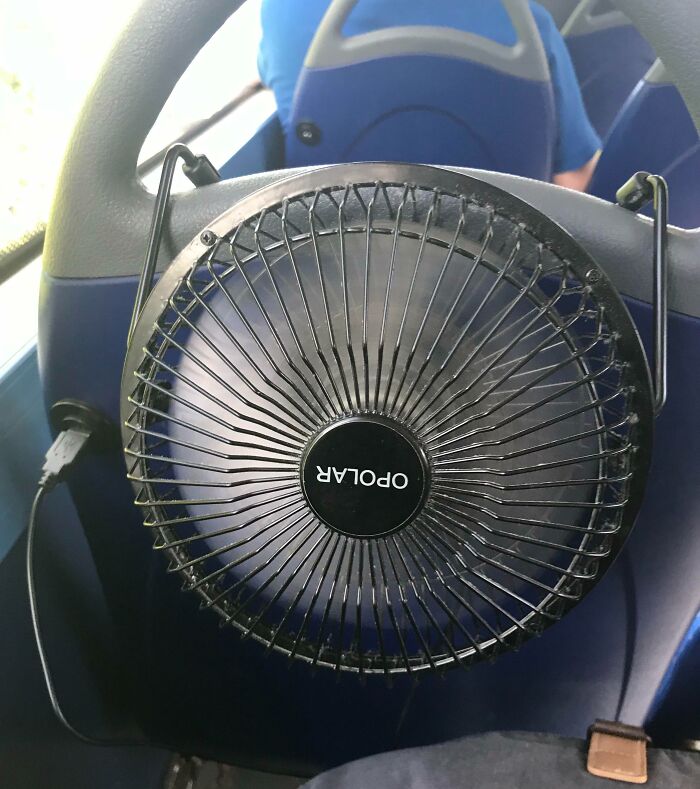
x=386 y=418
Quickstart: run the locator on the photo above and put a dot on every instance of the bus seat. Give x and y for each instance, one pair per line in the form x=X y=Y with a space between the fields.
x=654 y=131
x=358 y=97
x=610 y=57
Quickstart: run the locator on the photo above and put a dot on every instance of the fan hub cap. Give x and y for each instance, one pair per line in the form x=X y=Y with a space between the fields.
x=365 y=476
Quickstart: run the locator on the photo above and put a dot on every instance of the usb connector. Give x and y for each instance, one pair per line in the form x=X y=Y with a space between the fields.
x=62 y=455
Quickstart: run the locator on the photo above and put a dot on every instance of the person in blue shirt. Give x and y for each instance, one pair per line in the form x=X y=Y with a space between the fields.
x=289 y=27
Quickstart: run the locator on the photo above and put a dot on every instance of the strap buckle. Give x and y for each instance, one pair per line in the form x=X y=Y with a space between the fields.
x=618 y=751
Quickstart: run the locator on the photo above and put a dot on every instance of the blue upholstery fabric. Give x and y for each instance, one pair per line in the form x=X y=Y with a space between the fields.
x=608 y=64
x=390 y=110
x=654 y=132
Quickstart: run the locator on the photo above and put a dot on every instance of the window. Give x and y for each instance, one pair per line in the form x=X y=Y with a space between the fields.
x=45 y=75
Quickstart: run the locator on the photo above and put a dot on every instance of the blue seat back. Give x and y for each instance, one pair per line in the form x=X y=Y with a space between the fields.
x=429 y=95
x=610 y=57
x=654 y=131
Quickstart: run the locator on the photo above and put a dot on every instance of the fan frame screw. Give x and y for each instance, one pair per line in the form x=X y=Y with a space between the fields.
x=208 y=237
x=593 y=276
x=308 y=133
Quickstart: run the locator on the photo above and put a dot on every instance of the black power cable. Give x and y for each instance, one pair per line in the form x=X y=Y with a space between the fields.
x=69 y=445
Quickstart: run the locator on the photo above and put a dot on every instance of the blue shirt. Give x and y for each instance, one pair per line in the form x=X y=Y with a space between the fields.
x=289 y=27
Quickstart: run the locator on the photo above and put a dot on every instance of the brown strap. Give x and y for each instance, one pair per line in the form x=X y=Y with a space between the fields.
x=618 y=751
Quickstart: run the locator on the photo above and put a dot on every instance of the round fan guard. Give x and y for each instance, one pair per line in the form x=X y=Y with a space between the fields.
x=386 y=418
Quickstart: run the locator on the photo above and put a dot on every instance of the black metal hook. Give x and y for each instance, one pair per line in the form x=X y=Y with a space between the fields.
x=641 y=188
x=200 y=172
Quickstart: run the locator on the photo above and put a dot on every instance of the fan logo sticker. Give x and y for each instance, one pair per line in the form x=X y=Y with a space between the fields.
x=366 y=477
x=356 y=500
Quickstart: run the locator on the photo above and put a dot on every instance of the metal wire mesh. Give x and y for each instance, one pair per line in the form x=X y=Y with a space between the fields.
x=435 y=310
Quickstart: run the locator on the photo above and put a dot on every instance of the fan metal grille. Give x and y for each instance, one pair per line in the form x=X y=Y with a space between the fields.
x=507 y=361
